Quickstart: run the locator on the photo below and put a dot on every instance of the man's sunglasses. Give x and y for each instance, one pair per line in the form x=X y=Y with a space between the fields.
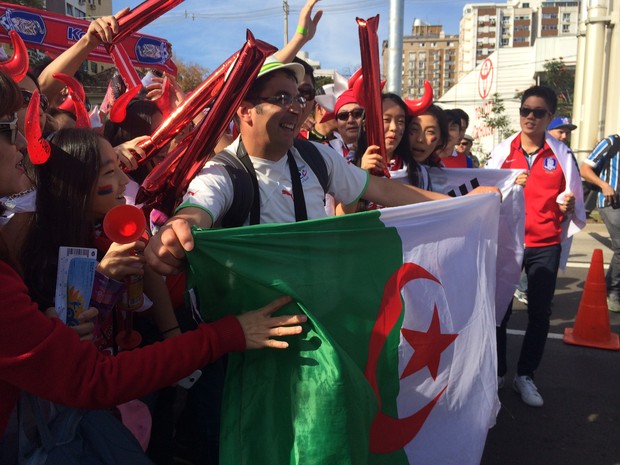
x=284 y=100
x=538 y=112
x=308 y=92
x=27 y=96
x=11 y=127
x=344 y=115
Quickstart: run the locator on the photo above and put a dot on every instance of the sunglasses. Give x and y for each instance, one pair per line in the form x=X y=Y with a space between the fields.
x=308 y=93
x=344 y=115
x=11 y=127
x=27 y=96
x=538 y=112
x=284 y=100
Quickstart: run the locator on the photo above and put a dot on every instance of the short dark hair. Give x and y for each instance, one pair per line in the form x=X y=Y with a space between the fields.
x=463 y=115
x=544 y=92
x=309 y=70
x=453 y=117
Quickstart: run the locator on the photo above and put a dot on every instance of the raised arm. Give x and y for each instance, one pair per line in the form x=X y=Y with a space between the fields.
x=100 y=30
x=306 y=28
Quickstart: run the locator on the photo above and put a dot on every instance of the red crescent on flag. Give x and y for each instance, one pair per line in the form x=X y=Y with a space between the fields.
x=388 y=434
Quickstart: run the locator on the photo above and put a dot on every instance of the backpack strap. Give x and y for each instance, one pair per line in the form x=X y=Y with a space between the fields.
x=311 y=155
x=243 y=190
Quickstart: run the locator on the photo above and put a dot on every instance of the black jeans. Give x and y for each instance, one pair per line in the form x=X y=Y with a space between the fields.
x=541 y=266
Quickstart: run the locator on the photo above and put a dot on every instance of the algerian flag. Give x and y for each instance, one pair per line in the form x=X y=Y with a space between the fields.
x=398 y=362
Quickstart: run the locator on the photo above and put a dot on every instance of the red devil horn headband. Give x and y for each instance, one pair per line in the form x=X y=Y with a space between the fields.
x=38 y=148
x=17 y=65
x=419 y=106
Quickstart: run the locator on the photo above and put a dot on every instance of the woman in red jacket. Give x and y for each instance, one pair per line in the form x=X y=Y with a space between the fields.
x=42 y=356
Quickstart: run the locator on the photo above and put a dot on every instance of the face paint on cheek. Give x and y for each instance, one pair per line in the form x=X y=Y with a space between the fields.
x=432 y=139
x=104 y=190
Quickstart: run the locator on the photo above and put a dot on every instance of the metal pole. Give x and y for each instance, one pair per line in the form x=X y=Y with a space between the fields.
x=579 y=77
x=285 y=7
x=592 y=82
x=612 y=117
x=395 y=47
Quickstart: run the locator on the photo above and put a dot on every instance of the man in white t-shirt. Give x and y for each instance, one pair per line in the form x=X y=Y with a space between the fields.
x=269 y=119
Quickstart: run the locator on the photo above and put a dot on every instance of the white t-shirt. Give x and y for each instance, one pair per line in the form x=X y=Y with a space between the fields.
x=212 y=189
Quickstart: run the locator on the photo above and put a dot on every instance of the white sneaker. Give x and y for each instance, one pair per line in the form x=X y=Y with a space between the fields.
x=525 y=386
x=521 y=296
x=613 y=304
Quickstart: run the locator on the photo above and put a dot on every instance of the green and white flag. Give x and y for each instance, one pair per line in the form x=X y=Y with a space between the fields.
x=397 y=363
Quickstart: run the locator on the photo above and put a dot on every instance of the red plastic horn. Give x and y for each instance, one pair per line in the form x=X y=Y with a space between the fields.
x=121 y=59
x=371 y=90
x=75 y=100
x=419 y=106
x=17 y=66
x=353 y=79
x=39 y=149
x=145 y=13
x=124 y=224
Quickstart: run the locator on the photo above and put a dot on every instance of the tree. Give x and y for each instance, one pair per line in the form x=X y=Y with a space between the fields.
x=190 y=75
x=560 y=78
x=494 y=118
x=323 y=80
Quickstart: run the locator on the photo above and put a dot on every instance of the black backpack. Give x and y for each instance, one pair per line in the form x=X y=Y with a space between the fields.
x=245 y=184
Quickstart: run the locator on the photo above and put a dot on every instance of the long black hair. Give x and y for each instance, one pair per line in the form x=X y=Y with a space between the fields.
x=402 y=150
x=65 y=185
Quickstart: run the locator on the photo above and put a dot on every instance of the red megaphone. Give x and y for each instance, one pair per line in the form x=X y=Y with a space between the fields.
x=124 y=224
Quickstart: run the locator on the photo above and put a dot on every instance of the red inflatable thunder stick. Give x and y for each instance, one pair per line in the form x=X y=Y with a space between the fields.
x=124 y=224
x=371 y=89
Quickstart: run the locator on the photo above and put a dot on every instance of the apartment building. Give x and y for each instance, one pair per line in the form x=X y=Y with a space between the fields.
x=428 y=54
x=487 y=27
x=83 y=9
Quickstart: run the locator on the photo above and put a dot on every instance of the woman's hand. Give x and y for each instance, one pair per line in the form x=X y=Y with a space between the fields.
x=121 y=261
x=306 y=22
x=129 y=153
x=102 y=30
x=259 y=326
x=86 y=327
x=372 y=159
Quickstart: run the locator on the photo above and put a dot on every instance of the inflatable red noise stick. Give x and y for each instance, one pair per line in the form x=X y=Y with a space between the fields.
x=17 y=66
x=39 y=148
x=369 y=50
x=124 y=224
x=145 y=13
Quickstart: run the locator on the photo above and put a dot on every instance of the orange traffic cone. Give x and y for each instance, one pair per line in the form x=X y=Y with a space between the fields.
x=592 y=323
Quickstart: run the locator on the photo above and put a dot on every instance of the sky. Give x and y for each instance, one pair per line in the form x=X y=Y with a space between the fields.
x=208 y=32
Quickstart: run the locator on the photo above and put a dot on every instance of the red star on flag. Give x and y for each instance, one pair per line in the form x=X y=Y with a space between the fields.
x=427 y=347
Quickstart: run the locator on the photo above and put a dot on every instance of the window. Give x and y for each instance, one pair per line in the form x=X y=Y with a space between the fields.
x=566 y=28
x=78 y=14
x=566 y=17
x=69 y=10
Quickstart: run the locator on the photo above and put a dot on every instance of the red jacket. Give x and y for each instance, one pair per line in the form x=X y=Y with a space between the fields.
x=42 y=356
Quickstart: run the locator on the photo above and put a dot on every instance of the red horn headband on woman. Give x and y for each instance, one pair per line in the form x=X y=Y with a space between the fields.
x=38 y=148
x=75 y=100
x=17 y=66
x=419 y=106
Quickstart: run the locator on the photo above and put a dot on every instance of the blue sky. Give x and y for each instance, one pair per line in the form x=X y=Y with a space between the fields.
x=217 y=29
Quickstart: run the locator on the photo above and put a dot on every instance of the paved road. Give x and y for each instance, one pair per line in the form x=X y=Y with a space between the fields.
x=580 y=421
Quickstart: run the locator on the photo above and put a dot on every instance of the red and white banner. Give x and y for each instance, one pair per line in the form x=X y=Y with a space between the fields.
x=54 y=33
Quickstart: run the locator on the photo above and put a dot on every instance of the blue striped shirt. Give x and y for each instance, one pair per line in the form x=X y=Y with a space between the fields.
x=597 y=160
